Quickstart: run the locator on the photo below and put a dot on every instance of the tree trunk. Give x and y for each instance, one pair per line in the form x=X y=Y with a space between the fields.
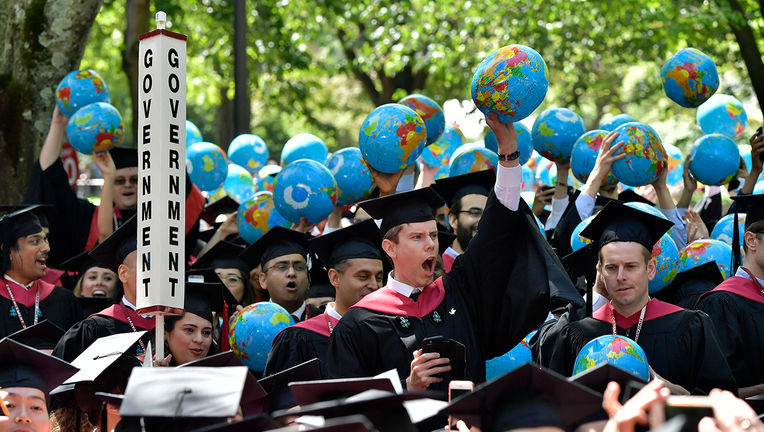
x=138 y=14
x=224 y=121
x=749 y=50
x=43 y=40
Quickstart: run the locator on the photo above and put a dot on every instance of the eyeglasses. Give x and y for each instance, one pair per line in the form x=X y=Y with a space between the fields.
x=283 y=267
x=121 y=181
x=231 y=280
x=474 y=212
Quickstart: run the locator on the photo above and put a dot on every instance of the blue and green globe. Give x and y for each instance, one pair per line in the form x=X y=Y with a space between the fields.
x=555 y=131
x=612 y=123
x=704 y=251
x=248 y=151
x=206 y=165
x=723 y=230
x=511 y=82
x=79 y=89
x=689 y=78
x=529 y=179
x=193 y=134
x=257 y=215
x=439 y=153
x=645 y=156
x=714 y=159
x=666 y=256
x=252 y=332
x=238 y=183
x=577 y=241
x=304 y=146
x=675 y=164
x=95 y=128
x=305 y=188
x=511 y=360
x=619 y=351
x=473 y=160
x=722 y=114
x=265 y=177
x=584 y=156
x=431 y=113
x=354 y=182
x=392 y=137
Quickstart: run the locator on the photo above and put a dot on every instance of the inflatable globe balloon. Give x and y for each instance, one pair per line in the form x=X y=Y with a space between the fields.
x=440 y=152
x=689 y=78
x=723 y=230
x=545 y=170
x=666 y=256
x=305 y=188
x=529 y=179
x=238 y=183
x=577 y=241
x=257 y=215
x=714 y=159
x=619 y=351
x=675 y=164
x=555 y=131
x=354 y=182
x=645 y=156
x=722 y=114
x=746 y=155
x=193 y=134
x=252 y=332
x=265 y=177
x=217 y=194
x=304 y=146
x=392 y=137
x=534 y=160
x=473 y=160
x=248 y=151
x=441 y=173
x=95 y=128
x=524 y=142
x=206 y=165
x=612 y=123
x=511 y=360
x=79 y=89
x=431 y=113
x=703 y=251
x=511 y=82
x=584 y=156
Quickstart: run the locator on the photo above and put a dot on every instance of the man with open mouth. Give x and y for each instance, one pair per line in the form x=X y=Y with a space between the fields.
x=501 y=288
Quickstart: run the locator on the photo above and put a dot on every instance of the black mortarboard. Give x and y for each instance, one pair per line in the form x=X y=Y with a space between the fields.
x=446 y=239
x=598 y=378
x=22 y=366
x=223 y=255
x=41 y=336
x=581 y=262
x=361 y=240
x=755 y=205
x=628 y=195
x=706 y=277
x=310 y=392
x=202 y=298
x=225 y=205
x=258 y=423
x=252 y=389
x=277 y=385
x=93 y=305
x=418 y=205
x=452 y=189
x=80 y=263
x=319 y=290
x=278 y=241
x=528 y=396
x=124 y=157
x=113 y=251
x=620 y=223
x=38 y=210
x=21 y=223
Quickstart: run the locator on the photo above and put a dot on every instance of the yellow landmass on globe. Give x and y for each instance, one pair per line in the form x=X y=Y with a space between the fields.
x=280 y=317
x=209 y=164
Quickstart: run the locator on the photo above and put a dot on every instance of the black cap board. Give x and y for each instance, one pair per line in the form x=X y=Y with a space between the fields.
x=598 y=378
x=446 y=239
x=22 y=366
x=543 y=397
x=80 y=263
x=620 y=223
x=418 y=205
x=277 y=385
x=202 y=298
x=318 y=290
x=21 y=223
x=225 y=205
x=113 y=251
x=452 y=189
x=41 y=336
x=223 y=254
x=252 y=389
x=362 y=240
x=310 y=392
x=707 y=272
x=755 y=205
x=124 y=157
x=114 y=377
x=628 y=195
x=278 y=241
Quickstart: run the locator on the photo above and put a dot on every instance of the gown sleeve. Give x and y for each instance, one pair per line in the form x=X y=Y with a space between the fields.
x=290 y=348
x=344 y=358
x=568 y=342
x=724 y=314
x=709 y=368
x=564 y=229
x=78 y=338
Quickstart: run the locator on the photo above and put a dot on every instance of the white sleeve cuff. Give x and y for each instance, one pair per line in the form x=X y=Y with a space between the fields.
x=585 y=205
x=509 y=184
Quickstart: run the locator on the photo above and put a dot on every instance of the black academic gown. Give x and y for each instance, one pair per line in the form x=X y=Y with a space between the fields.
x=58 y=306
x=681 y=346
x=737 y=310
x=568 y=222
x=499 y=290
x=301 y=342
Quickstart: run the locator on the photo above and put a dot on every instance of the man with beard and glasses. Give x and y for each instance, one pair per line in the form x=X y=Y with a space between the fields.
x=25 y=299
x=466 y=196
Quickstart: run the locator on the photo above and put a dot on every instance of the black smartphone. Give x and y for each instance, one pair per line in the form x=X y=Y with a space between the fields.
x=455 y=351
x=759 y=132
x=691 y=408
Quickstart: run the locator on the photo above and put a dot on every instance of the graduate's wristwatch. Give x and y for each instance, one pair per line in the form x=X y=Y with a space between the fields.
x=510 y=157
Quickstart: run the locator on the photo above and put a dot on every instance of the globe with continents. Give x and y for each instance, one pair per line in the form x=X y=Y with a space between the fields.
x=612 y=123
x=305 y=188
x=703 y=251
x=645 y=156
x=473 y=160
x=257 y=215
x=95 y=128
x=723 y=114
x=440 y=152
x=304 y=146
x=392 y=137
x=238 y=183
x=714 y=159
x=577 y=241
x=524 y=142
x=253 y=330
x=511 y=360
x=675 y=164
x=206 y=165
x=354 y=182
x=723 y=230
x=690 y=78
x=619 y=351
x=529 y=179
x=79 y=89
x=431 y=113
x=248 y=151
x=555 y=131
x=545 y=170
x=193 y=134
x=534 y=160
x=511 y=82
x=666 y=256
x=265 y=177
x=584 y=156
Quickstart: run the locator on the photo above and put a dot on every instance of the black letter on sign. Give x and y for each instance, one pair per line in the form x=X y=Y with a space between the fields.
x=173 y=236
x=174 y=83
x=146 y=159
x=148 y=59
x=172 y=57
x=146 y=260
x=174 y=157
x=147 y=83
x=173 y=261
x=146 y=108
x=147 y=187
x=146 y=285
x=173 y=282
x=173 y=210
x=146 y=210
x=174 y=109
x=146 y=240
x=175 y=185
x=174 y=130
x=147 y=134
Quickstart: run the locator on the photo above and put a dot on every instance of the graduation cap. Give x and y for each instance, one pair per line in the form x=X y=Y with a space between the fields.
x=93 y=305
x=13 y=226
x=628 y=195
x=277 y=242
x=310 y=392
x=223 y=254
x=202 y=298
x=258 y=423
x=598 y=378
x=38 y=210
x=446 y=239
x=705 y=277
x=124 y=157
x=113 y=251
x=620 y=223
x=319 y=290
x=101 y=355
x=528 y=396
x=361 y=240
x=222 y=206
x=41 y=336
x=452 y=189
x=418 y=205
x=22 y=366
x=80 y=263
x=280 y=396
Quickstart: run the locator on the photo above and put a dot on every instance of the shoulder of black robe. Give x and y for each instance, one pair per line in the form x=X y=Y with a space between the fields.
x=294 y=346
x=60 y=307
x=568 y=222
x=542 y=343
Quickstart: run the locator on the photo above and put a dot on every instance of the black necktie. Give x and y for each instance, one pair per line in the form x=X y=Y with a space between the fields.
x=415 y=295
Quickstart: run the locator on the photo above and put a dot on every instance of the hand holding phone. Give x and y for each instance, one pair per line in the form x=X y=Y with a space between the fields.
x=455 y=389
x=453 y=350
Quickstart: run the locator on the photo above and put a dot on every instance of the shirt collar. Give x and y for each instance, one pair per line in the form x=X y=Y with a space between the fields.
x=332 y=313
x=451 y=252
x=128 y=304
x=26 y=287
x=400 y=287
x=740 y=272
x=298 y=313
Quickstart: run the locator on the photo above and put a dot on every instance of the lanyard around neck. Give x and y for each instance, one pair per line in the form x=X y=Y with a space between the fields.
x=16 y=306
x=639 y=325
